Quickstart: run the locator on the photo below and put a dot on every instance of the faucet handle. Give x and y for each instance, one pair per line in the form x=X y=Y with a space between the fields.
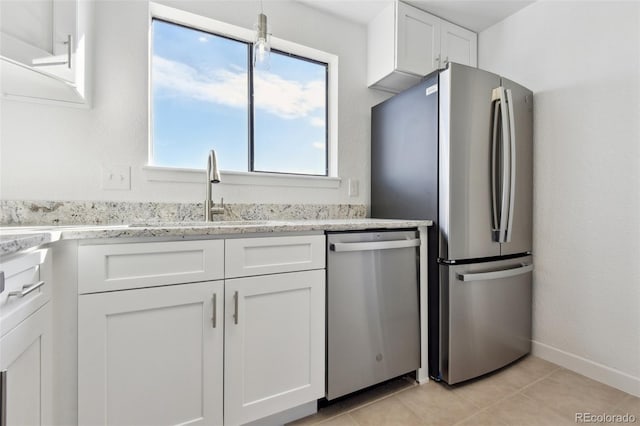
x=218 y=209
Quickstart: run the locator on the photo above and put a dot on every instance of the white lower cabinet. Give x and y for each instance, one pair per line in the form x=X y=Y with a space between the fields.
x=274 y=343
x=168 y=352
x=25 y=363
x=151 y=356
x=26 y=371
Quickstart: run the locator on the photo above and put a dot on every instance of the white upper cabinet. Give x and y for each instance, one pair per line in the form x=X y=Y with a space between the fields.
x=458 y=45
x=418 y=35
x=406 y=43
x=44 y=47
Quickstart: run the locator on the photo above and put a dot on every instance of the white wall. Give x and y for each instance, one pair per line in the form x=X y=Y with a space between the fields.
x=582 y=62
x=56 y=153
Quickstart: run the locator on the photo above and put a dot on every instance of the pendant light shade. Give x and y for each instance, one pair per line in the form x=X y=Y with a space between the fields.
x=262 y=45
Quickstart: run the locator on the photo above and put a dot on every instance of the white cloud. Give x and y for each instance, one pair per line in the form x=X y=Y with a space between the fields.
x=223 y=87
x=203 y=39
x=318 y=145
x=317 y=121
x=285 y=98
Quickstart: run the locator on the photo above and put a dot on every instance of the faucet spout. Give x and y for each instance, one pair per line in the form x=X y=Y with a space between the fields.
x=213 y=176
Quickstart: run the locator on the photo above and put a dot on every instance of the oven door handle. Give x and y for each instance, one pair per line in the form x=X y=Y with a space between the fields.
x=374 y=245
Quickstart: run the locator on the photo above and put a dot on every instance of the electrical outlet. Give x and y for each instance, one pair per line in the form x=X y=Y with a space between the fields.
x=353 y=187
x=116 y=177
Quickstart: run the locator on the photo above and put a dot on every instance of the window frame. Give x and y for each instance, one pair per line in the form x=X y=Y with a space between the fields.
x=240 y=34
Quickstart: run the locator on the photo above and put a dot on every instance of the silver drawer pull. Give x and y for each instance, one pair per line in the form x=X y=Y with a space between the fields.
x=235 y=304
x=374 y=245
x=215 y=310
x=26 y=289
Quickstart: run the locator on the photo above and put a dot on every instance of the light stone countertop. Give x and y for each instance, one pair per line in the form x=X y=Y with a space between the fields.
x=15 y=242
x=15 y=239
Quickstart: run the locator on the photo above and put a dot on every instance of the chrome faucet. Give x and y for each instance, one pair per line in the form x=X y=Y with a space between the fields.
x=213 y=176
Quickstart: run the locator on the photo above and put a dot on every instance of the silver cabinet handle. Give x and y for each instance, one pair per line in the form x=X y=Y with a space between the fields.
x=495 y=275
x=69 y=51
x=26 y=289
x=1 y=281
x=375 y=245
x=235 y=304
x=47 y=61
x=215 y=310
x=3 y=398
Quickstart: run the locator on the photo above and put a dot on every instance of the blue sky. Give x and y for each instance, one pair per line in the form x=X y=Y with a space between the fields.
x=200 y=102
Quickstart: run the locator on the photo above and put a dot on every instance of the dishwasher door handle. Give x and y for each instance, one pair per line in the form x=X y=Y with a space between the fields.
x=374 y=245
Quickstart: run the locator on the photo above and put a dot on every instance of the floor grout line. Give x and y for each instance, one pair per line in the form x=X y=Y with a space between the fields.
x=407 y=384
x=507 y=396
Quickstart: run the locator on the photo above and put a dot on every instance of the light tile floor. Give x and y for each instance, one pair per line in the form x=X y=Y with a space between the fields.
x=529 y=392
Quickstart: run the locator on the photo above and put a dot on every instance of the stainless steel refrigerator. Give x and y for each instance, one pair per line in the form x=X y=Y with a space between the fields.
x=457 y=149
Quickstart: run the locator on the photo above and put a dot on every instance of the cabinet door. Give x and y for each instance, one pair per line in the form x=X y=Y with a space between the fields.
x=418 y=37
x=151 y=356
x=458 y=45
x=274 y=343
x=25 y=362
x=44 y=50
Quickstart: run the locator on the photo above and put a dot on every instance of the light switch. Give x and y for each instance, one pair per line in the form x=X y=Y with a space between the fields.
x=116 y=177
x=353 y=187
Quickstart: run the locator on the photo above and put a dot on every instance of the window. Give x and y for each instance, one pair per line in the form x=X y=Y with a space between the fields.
x=205 y=95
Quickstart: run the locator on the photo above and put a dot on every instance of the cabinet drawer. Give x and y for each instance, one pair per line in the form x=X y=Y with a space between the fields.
x=271 y=255
x=124 y=266
x=20 y=274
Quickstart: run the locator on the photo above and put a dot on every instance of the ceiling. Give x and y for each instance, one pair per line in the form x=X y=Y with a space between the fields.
x=475 y=15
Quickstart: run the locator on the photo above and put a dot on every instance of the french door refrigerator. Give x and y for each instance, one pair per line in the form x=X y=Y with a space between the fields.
x=457 y=149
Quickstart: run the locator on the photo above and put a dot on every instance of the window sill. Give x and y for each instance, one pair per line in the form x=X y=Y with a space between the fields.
x=178 y=175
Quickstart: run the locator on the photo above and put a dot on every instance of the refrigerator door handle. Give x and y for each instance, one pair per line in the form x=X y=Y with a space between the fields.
x=495 y=275
x=512 y=164
x=499 y=96
x=494 y=166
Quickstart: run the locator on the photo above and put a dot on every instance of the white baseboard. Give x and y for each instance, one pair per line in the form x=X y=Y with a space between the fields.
x=607 y=375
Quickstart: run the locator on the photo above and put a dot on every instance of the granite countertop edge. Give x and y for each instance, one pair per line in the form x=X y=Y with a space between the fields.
x=16 y=239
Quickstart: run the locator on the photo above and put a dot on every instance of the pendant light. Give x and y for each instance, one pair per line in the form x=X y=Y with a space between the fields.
x=262 y=45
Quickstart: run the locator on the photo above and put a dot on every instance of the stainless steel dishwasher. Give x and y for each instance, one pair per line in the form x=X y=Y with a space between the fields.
x=373 y=330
